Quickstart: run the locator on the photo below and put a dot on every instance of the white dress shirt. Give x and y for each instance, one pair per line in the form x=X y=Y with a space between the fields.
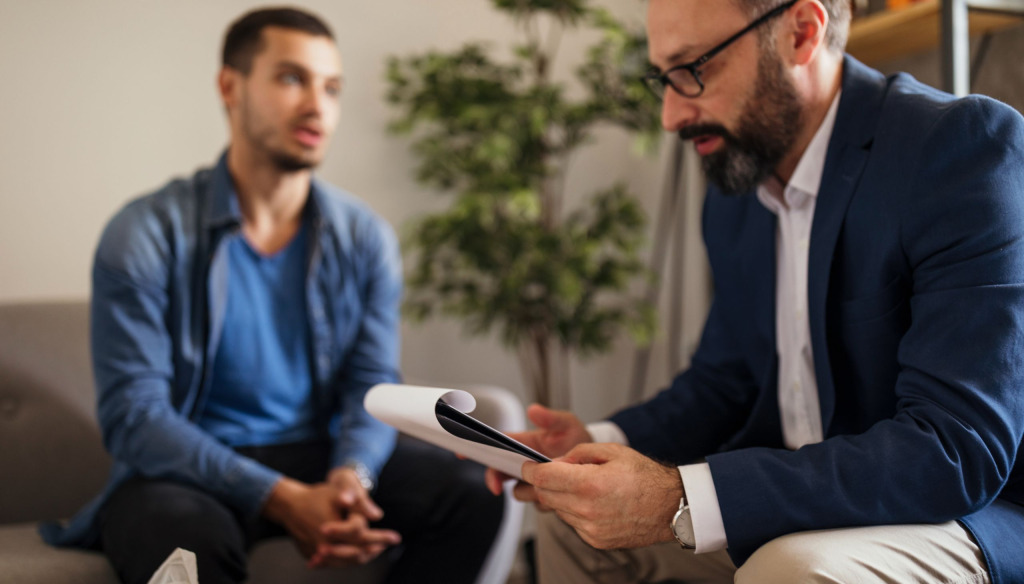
x=793 y=204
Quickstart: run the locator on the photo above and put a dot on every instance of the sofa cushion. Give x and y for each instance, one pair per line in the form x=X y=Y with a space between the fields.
x=26 y=558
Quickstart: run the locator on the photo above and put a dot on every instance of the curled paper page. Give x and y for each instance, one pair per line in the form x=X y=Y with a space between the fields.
x=415 y=411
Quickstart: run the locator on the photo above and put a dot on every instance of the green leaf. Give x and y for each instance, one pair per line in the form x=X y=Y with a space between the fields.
x=494 y=137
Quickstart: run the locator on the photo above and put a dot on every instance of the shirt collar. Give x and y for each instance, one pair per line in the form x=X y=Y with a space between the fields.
x=223 y=209
x=806 y=178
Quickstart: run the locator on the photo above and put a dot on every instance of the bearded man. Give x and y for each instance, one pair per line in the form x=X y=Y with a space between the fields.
x=854 y=409
x=238 y=318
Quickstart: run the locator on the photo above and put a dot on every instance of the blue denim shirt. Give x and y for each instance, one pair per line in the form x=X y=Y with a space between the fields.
x=158 y=300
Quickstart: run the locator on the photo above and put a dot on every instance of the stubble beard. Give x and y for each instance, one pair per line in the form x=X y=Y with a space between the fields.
x=285 y=162
x=261 y=137
x=766 y=132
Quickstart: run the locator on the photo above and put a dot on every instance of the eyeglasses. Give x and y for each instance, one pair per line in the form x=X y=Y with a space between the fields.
x=685 y=79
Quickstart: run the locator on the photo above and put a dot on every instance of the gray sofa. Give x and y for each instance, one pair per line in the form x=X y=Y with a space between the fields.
x=52 y=460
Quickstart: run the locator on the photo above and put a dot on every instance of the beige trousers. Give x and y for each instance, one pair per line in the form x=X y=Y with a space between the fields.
x=898 y=554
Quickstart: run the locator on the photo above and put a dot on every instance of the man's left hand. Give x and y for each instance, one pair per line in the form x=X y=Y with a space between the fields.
x=350 y=540
x=613 y=496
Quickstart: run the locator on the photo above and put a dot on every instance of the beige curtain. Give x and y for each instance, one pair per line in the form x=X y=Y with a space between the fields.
x=683 y=289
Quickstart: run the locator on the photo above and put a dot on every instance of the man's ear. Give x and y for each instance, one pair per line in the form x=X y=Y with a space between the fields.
x=228 y=85
x=806 y=33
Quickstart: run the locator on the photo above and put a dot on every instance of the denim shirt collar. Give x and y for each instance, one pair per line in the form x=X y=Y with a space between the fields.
x=222 y=209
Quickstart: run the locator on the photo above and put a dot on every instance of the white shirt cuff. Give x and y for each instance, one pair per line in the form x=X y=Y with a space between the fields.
x=607 y=432
x=708 y=528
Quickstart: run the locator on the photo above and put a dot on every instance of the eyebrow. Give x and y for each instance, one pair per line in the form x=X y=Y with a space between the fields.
x=677 y=57
x=303 y=69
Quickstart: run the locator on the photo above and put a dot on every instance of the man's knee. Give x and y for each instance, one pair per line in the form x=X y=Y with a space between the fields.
x=144 y=521
x=562 y=556
x=428 y=492
x=798 y=557
x=485 y=510
x=552 y=529
x=892 y=553
x=171 y=507
x=454 y=491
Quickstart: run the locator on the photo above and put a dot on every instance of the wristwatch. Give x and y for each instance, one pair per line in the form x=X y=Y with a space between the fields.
x=362 y=473
x=682 y=526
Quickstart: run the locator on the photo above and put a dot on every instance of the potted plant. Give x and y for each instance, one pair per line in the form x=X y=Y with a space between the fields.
x=507 y=254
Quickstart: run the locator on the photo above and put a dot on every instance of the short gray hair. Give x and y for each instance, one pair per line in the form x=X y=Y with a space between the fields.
x=838 y=18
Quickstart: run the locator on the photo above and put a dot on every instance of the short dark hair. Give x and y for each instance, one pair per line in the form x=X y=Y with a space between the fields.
x=838 y=18
x=244 y=38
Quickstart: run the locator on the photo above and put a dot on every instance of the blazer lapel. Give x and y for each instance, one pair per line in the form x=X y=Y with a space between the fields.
x=848 y=150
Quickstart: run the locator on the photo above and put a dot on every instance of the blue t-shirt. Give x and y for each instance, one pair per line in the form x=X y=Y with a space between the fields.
x=262 y=390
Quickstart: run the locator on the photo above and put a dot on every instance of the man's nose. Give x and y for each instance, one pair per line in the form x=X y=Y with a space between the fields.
x=678 y=111
x=315 y=100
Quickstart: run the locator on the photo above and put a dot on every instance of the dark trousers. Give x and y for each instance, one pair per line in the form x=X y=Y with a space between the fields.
x=438 y=503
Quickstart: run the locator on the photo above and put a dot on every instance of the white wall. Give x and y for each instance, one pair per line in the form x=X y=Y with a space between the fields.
x=107 y=99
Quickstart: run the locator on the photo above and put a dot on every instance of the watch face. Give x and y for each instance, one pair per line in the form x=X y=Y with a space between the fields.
x=682 y=528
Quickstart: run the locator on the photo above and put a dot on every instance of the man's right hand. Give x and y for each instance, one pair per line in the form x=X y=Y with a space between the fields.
x=304 y=510
x=351 y=540
x=557 y=433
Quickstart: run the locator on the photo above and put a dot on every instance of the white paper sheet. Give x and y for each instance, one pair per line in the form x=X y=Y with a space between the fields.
x=410 y=408
x=178 y=568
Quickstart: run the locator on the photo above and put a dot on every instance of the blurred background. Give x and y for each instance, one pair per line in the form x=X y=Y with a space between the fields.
x=108 y=99
x=105 y=100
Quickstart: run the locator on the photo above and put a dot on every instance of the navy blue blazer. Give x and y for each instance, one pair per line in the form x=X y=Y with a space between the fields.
x=916 y=307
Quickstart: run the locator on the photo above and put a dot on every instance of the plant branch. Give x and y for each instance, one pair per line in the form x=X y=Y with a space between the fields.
x=566 y=385
x=499 y=139
x=554 y=40
x=531 y=28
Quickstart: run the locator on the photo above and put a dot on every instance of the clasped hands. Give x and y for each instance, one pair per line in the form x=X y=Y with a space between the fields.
x=330 y=521
x=613 y=496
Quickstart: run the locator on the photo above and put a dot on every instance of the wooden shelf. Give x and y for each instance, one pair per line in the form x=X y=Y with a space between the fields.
x=897 y=33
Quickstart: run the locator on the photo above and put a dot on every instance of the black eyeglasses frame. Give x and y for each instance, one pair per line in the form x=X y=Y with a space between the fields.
x=658 y=82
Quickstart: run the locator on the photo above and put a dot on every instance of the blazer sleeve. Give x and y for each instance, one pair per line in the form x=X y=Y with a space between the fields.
x=701 y=409
x=709 y=403
x=959 y=409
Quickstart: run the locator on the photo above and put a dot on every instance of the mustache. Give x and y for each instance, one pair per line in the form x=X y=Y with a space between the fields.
x=691 y=132
x=308 y=121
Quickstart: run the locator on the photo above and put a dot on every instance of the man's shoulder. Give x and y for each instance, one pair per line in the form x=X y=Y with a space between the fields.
x=911 y=103
x=350 y=218
x=142 y=233
x=176 y=197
